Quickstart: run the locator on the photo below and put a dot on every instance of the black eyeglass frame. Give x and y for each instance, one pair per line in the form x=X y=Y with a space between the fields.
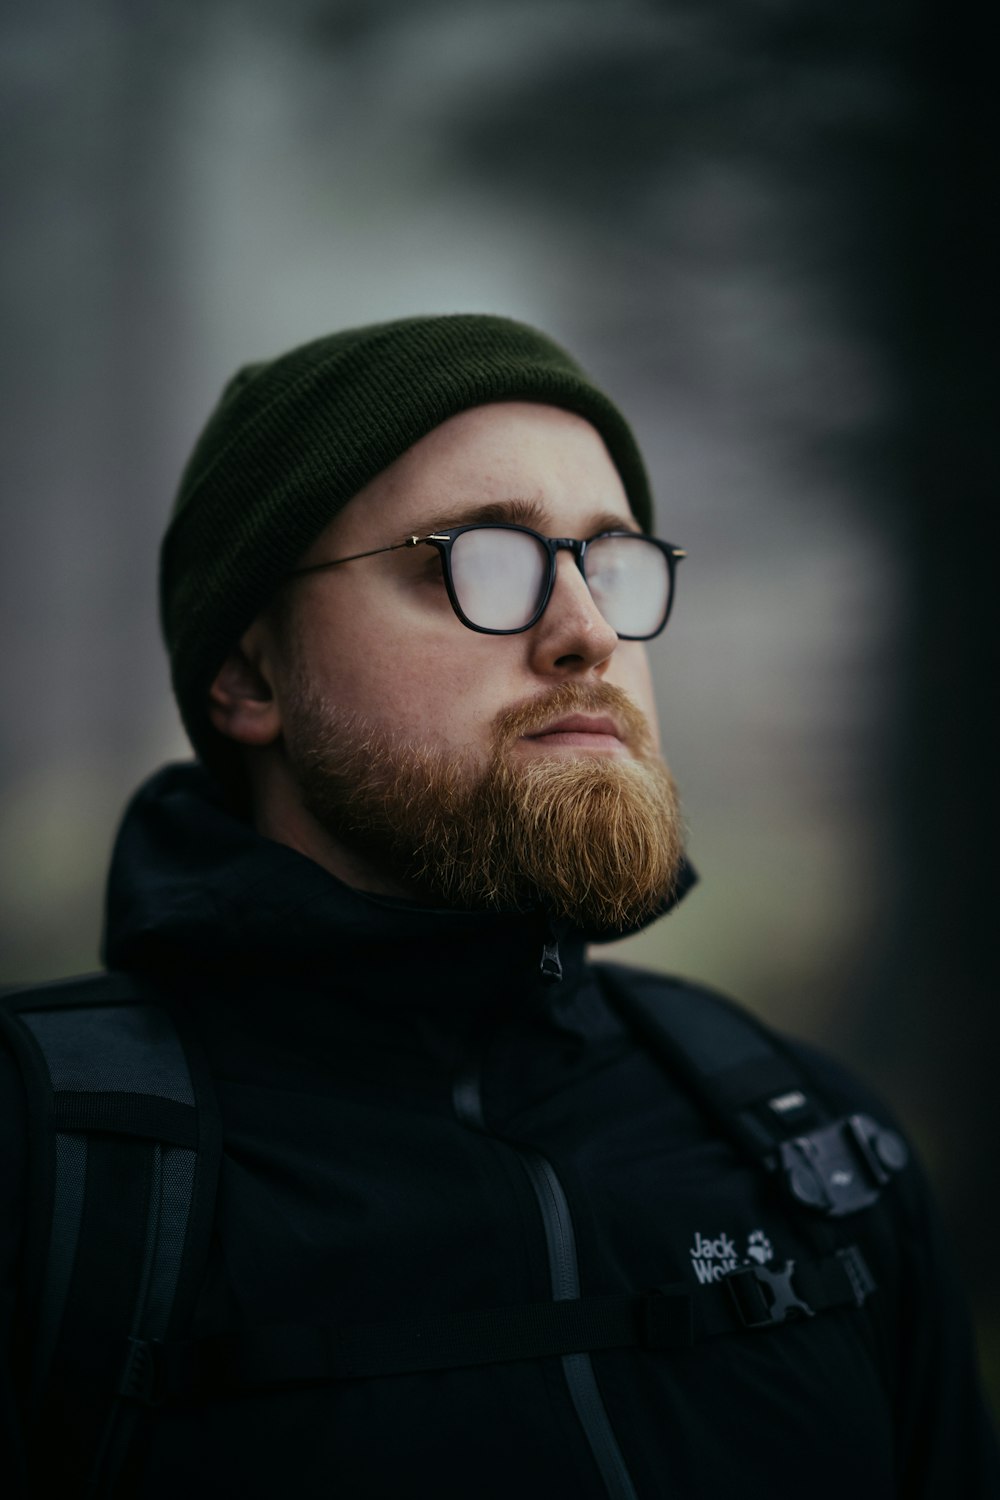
x=444 y=540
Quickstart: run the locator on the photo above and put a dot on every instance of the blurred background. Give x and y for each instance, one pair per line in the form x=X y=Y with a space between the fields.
x=768 y=229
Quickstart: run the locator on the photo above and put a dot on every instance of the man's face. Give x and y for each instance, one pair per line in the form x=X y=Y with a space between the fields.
x=378 y=683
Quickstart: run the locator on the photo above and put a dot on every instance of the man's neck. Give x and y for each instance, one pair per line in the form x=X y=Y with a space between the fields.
x=279 y=814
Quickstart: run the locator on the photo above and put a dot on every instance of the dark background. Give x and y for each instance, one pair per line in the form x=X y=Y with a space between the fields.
x=768 y=229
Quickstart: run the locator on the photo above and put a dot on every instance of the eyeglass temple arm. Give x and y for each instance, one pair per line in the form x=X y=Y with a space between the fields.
x=411 y=541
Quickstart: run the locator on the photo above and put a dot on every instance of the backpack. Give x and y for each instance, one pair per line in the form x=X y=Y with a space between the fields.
x=125 y=1147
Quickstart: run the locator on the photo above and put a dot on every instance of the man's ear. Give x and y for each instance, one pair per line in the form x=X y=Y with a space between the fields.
x=241 y=702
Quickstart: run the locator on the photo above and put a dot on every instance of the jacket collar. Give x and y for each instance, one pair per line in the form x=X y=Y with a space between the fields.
x=194 y=887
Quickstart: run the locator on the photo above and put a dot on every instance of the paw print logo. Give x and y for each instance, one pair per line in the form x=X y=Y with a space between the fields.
x=759 y=1247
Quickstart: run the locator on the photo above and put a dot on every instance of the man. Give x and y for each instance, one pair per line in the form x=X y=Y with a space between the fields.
x=476 y=1232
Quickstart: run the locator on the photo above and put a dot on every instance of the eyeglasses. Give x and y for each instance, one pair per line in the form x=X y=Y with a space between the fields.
x=500 y=577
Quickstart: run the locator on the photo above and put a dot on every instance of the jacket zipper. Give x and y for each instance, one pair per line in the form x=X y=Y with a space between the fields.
x=564 y=1277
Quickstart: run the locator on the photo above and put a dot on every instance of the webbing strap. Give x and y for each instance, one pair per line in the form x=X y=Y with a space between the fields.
x=144 y=1115
x=668 y=1317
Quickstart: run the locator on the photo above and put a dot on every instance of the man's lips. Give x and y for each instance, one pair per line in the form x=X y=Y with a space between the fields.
x=586 y=730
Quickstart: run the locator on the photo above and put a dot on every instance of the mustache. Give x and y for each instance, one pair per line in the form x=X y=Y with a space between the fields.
x=533 y=714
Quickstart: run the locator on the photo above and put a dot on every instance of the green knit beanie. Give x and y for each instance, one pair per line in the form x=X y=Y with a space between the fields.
x=293 y=439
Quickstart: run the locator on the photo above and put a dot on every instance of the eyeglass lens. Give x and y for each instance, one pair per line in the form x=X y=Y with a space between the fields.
x=500 y=575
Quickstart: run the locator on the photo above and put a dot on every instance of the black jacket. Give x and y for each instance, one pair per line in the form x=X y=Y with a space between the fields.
x=419 y=1120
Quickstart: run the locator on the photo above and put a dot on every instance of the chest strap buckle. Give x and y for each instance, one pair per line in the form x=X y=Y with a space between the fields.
x=763 y=1296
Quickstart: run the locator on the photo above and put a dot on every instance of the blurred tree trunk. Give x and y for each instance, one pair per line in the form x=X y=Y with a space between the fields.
x=935 y=1020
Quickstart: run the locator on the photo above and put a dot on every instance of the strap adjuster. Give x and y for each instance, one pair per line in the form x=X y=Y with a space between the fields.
x=763 y=1297
x=860 y=1279
x=141 y=1371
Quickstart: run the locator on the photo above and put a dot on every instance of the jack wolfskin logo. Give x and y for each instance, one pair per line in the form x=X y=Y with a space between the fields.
x=759 y=1247
x=714 y=1256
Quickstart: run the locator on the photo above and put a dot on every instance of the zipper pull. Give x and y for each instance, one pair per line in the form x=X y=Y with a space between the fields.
x=551 y=964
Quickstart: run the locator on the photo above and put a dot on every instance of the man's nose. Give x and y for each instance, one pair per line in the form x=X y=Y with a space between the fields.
x=572 y=636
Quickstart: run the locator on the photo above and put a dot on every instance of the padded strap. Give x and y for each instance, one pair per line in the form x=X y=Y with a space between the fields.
x=754 y=1088
x=128 y=1178
x=758 y=1094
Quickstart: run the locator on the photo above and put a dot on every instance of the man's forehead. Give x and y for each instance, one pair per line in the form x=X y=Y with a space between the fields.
x=523 y=463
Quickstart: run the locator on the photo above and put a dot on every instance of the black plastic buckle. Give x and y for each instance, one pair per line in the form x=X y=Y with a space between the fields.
x=140 y=1376
x=763 y=1297
x=841 y=1168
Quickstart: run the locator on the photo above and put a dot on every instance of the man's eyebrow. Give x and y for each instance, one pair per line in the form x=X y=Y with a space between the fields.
x=517 y=512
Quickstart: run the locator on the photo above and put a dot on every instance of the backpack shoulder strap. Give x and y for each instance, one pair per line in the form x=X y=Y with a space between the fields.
x=124 y=1153
x=759 y=1092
